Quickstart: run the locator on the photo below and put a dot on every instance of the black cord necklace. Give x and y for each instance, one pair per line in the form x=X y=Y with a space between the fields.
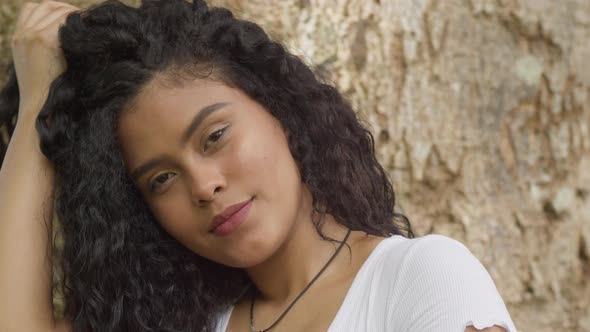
x=252 y=329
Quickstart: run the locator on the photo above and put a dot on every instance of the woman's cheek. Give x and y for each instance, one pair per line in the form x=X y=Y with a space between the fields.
x=258 y=164
x=173 y=211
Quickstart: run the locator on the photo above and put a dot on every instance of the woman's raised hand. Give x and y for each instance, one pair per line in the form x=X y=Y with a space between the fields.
x=37 y=55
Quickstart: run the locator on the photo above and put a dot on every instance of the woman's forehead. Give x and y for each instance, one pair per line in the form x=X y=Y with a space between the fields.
x=156 y=95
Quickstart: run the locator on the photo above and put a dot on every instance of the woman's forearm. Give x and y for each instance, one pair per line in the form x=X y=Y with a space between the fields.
x=26 y=208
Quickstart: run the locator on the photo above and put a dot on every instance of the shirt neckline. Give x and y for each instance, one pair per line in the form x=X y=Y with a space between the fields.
x=347 y=297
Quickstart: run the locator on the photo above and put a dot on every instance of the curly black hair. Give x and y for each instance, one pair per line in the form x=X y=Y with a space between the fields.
x=122 y=270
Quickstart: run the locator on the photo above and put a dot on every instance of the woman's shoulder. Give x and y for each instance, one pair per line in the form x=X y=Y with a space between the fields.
x=432 y=260
x=398 y=263
x=437 y=271
x=427 y=283
x=397 y=251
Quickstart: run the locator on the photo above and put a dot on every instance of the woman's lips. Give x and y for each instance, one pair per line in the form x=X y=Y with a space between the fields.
x=233 y=216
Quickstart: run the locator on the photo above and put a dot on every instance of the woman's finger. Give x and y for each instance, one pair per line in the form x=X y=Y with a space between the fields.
x=42 y=10
x=56 y=15
x=50 y=32
x=60 y=3
x=25 y=12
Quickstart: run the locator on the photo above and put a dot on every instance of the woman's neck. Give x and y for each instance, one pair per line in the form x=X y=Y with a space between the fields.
x=301 y=256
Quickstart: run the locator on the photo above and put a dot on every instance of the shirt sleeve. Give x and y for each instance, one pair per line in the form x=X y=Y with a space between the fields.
x=442 y=286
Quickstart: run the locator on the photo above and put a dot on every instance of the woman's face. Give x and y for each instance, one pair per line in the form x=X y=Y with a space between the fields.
x=196 y=150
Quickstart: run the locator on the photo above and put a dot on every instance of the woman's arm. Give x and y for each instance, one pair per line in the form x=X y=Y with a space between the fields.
x=27 y=177
x=26 y=199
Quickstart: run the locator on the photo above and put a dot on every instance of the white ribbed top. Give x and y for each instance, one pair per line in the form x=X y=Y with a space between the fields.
x=426 y=284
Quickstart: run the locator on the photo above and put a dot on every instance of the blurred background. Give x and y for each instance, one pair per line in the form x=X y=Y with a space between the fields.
x=481 y=113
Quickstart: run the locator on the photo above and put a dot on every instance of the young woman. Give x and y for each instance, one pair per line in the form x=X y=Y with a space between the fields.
x=205 y=180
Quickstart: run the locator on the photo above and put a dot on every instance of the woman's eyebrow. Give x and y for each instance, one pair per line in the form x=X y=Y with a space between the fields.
x=188 y=132
x=200 y=117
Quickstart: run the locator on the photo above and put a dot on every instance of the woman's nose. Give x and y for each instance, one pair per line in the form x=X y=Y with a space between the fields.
x=206 y=182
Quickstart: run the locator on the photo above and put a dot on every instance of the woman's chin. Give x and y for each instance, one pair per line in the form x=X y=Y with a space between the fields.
x=250 y=253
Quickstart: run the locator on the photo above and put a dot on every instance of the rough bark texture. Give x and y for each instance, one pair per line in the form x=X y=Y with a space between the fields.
x=481 y=112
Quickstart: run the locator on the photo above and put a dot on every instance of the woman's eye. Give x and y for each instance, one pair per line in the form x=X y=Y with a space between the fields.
x=214 y=137
x=159 y=180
